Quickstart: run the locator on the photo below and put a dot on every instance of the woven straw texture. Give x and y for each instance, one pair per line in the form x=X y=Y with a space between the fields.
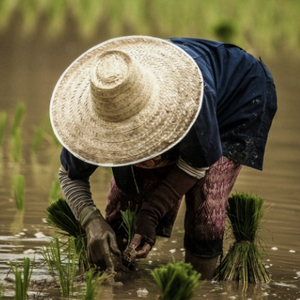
x=126 y=100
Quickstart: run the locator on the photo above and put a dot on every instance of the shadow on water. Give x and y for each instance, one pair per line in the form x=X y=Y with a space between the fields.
x=29 y=73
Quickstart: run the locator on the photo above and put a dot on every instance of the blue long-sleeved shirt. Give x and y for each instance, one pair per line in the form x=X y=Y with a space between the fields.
x=239 y=104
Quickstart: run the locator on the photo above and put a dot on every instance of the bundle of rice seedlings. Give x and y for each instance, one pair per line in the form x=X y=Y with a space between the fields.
x=60 y=216
x=244 y=260
x=176 y=280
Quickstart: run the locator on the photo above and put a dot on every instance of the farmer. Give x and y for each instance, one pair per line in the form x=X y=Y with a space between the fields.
x=172 y=118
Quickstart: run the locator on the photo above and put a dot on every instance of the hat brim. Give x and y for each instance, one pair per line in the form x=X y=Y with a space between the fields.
x=157 y=128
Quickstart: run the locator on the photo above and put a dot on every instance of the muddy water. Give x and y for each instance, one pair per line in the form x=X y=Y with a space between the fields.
x=29 y=70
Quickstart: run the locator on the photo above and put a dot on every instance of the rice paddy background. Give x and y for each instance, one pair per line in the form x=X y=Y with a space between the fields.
x=40 y=38
x=251 y=24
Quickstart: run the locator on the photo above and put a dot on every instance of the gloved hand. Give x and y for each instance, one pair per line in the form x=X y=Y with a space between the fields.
x=170 y=190
x=101 y=240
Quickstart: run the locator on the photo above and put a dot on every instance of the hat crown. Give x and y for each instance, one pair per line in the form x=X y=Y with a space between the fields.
x=120 y=87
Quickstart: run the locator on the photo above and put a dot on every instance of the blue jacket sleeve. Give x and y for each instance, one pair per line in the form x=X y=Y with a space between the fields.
x=77 y=169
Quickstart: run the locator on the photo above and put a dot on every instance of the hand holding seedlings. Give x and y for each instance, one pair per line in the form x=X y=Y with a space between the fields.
x=142 y=249
x=136 y=249
x=101 y=240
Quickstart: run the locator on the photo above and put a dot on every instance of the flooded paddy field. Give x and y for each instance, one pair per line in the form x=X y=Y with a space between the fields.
x=28 y=74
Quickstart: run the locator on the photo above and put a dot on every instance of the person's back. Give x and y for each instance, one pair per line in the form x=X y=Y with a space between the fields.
x=236 y=100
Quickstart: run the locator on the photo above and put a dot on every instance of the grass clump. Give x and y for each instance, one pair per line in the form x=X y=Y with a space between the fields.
x=244 y=260
x=18 y=185
x=22 y=279
x=176 y=280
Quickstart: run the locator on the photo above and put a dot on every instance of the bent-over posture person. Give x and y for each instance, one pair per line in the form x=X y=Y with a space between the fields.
x=173 y=118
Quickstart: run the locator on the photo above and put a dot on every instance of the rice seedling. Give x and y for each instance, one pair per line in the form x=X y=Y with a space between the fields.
x=127 y=224
x=18 y=116
x=92 y=281
x=37 y=139
x=244 y=260
x=22 y=279
x=62 y=268
x=55 y=190
x=253 y=30
x=3 y=119
x=128 y=217
x=16 y=145
x=176 y=280
x=60 y=216
x=18 y=185
x=44 y=132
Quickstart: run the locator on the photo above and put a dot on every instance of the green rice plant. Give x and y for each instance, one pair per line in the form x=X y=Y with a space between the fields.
x=3 y=119
x=60 y=217
x=128 y=217
x=18 y=116
x=44 y=132
x=7 y=8
x=251 y=30
x=55 y=190
x=244 y=260
x=16 y=145
x=93 y=279
x=62 y=261
x=176 y=280
x=18 y=188
x=22 y=279
x=37 y=139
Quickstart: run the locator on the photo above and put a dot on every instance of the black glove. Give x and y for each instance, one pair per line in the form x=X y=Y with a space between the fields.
x=170 y=190
x=101 y=240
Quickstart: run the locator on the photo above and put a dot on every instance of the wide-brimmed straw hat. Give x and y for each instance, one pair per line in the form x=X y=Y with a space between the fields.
x=126 y=100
